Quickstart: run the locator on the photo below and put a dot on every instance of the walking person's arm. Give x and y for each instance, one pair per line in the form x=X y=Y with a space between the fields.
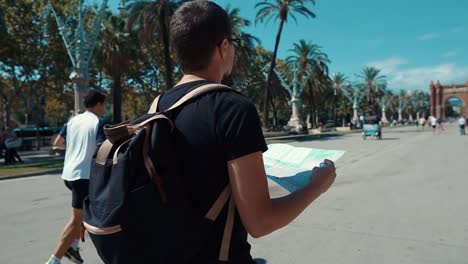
x=59 y=142
x=260 y=214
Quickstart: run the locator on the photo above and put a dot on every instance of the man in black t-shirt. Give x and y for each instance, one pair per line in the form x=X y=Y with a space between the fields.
x=220 y=139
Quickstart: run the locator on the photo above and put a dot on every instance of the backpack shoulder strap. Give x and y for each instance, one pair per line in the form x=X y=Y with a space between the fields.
x=191 y=95
x=224 y=198
x=154 y=105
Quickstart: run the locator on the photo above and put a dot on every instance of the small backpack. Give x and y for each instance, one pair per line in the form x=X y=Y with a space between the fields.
x=137 y=210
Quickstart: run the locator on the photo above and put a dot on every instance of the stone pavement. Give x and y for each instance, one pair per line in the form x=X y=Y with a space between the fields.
x=399 y=200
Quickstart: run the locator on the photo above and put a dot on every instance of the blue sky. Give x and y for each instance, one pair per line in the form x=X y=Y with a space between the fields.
x=412 y=41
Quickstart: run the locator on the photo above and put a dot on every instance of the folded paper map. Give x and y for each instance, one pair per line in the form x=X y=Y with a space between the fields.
x=291 y=167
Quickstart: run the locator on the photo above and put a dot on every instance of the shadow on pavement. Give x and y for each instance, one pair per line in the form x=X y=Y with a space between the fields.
x=408 y=131
x=305 y=138
x=260 y=261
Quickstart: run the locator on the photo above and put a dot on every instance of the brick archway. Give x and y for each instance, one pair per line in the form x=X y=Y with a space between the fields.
x=440 y=95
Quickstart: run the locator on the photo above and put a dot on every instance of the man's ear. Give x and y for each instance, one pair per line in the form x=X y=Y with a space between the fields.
x=223 y=49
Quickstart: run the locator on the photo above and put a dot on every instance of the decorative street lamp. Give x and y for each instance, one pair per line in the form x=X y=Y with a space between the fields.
x=355 y=98
x=80 y=41
x=295 y=90
x=383 y=104
x=401 y=107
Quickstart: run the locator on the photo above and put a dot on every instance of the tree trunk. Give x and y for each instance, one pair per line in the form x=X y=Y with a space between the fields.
x=368 y=94
x=275 y=116
x=335 y=117
x=270 y=75
x=167 y=53
x=314 y=106
x=6 y=115
x=117 y=99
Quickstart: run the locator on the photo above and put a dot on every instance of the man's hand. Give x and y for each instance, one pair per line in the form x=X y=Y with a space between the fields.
x=323 y=177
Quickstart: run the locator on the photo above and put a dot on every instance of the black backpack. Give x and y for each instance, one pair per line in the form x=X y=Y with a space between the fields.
x=137 y=210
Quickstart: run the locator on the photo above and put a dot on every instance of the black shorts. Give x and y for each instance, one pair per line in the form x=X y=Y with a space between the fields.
x=80 y=189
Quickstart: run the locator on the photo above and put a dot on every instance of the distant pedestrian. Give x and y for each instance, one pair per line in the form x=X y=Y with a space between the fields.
x=462 y=124
x=2 y=145
x=60 y=140
x=422 y=122
x=440 y=126
x=12 y=142
x=81 y=144
x=433 y=123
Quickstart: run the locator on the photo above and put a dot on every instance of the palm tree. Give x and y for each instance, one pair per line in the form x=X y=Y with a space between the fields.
x=373 y=81
x=279 y=9
x=115 y=55
x=246 y=47
x=339 y=80
x=420 y=101
x=306 y=54
x=311 y=58
x=151 y=20
x=319 y=86
x=237 y=24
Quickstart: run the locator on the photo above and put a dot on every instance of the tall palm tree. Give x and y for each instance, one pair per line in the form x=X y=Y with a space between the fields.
x=115 y=55
x=319 y=86
x=310 y=58
x=279 y=9
x=151 y=20
x=372 y=80
x=339 y=80
x=307 y=54
x=237 y=24
x=246 y=47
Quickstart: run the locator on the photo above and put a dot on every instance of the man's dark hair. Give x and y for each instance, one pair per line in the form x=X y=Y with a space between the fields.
x=93 y=97
x=196 y=28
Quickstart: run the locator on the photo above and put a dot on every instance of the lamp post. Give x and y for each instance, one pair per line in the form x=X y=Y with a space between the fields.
x=295 y=89
x=80 y=41
x=335 y=88
x=355 y=98
x=383 y=104
x=401 y=107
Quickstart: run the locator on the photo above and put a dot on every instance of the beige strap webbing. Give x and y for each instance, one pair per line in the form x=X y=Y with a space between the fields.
x=188 y=96
x=213 y=214
x=218 y=205
x=116 y=153
x=226 y=242
x=143 y=123
x=154 y=105
x=155 y=178
x=104 y=152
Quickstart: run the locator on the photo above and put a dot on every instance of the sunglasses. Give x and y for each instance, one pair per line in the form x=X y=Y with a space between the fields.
x=234 y=41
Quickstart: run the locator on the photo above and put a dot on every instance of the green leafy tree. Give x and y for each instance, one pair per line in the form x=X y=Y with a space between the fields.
x=279 y=9
x=373 y=81
x=115 y=46
x=310 y=58
x=339 y=81
x=151 y=20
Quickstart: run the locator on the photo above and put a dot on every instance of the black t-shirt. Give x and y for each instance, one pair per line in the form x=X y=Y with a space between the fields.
x=210 y=131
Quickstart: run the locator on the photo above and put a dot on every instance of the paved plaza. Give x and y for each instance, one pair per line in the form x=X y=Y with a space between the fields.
x=399 y=200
